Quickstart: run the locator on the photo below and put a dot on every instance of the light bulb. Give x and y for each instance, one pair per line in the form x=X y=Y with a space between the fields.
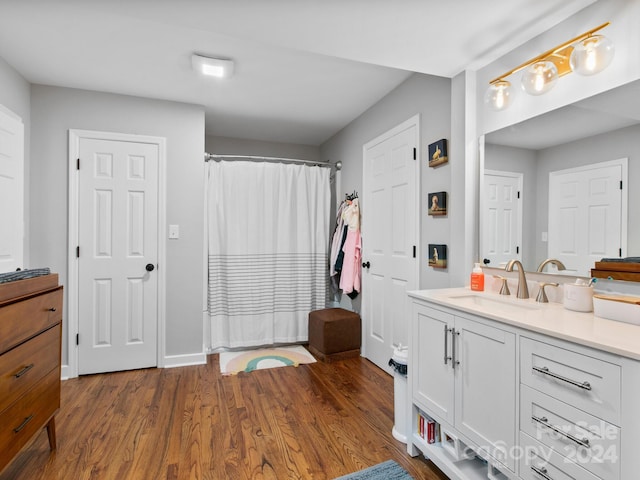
x=498 y=95
x=539 y=78
x=592 y=55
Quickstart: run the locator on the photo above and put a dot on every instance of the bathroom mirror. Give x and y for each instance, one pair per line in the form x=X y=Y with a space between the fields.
x=588 y=136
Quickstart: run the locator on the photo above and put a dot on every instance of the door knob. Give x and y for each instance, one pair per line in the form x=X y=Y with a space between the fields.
x=149 y=267
x=366 y=264
x=486 y=261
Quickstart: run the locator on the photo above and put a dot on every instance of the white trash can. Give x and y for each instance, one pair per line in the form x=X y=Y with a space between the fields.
x=399 y=364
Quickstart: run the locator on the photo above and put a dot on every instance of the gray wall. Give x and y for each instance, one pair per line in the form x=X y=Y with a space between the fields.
x=15 y=95
x=56 y=110
x=237 y=146
x=520 y=160
x=430 y=97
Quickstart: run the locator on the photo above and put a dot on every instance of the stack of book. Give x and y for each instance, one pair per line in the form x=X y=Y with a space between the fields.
x=428 y=428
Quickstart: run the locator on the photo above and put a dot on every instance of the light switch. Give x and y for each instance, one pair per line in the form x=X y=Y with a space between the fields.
x=174 y=231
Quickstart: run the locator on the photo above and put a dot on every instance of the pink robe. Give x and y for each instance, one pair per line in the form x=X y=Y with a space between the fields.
x=351 y=267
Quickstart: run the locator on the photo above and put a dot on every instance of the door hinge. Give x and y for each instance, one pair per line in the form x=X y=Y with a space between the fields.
x=78 y=251
x=517 y=250
x=78 y=165
x=77 y=339
x=620 y=252
x=415 y=153
x=414 y=251
x=518 y=194
x=620 y=184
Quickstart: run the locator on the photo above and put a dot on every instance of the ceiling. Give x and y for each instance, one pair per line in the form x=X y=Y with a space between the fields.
x=304 y=68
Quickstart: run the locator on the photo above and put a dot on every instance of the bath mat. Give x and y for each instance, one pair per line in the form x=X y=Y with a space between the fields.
x=249 y=360
x=388 y=470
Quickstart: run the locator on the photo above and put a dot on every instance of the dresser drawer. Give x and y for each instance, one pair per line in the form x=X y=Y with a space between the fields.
x=24 y=418
x=538 y=462
x=589 y=441
x=588 y=383
x=26 y=364
x=24 y=319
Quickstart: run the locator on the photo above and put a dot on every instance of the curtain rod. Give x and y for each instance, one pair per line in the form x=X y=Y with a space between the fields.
x=215 y=156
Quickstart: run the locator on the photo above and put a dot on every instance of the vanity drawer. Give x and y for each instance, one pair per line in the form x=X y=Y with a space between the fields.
x=589 y=441
x=28 y=415
x=588 y=383
x=538 y=462
x=22 y=320
x=26 y=364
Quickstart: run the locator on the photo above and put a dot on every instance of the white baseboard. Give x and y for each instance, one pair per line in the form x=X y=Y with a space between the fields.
x=172 y=361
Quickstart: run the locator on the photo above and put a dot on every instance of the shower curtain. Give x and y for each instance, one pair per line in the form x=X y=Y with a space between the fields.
x=268 y=230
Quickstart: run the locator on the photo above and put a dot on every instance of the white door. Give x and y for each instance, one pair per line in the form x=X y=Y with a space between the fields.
x=118 y=252
x=389 y=223
x=11 y=191
x=501 y=218
x=587 y=214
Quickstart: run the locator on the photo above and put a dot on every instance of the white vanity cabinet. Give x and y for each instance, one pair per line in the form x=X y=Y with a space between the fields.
x=522 y=391
x=465 y=378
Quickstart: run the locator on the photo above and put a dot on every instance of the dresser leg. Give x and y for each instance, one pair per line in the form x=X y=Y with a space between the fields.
x=51 y=432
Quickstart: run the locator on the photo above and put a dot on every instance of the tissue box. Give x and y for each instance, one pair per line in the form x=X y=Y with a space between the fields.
x=617 y=307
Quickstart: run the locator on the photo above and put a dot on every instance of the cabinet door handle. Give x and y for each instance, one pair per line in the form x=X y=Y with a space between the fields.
x=543 y=421
x=541 y=471
x=23 y=424
x=446 y=345
x=454 y=360
x=23 y=371
x=546 y=371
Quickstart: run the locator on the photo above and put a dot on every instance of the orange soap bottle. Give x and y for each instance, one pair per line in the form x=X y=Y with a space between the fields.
x=477 y=278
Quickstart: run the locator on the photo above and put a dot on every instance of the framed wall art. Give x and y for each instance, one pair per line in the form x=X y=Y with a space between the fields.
x=437 y=256
x=437 y=203
x=438 y=153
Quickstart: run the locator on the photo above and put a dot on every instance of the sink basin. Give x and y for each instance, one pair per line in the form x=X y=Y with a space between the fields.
x=472 y=299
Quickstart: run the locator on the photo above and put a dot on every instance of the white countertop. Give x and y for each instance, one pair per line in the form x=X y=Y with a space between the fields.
x=547 y=318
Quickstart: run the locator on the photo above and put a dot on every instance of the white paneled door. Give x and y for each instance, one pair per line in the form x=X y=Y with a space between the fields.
x=11 y=191
x=501 y=218
x=587 y=214
x=389 y=240
x=118 y=254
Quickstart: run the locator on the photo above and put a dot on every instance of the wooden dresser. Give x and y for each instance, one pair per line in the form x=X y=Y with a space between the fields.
x=30 y=343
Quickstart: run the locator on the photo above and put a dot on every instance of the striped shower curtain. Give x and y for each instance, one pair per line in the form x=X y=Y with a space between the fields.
x=268 y=230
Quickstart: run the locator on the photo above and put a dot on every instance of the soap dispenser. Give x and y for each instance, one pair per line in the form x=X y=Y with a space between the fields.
x=477 y=278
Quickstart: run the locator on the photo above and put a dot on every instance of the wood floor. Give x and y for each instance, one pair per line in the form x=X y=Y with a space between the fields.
x=317 y=421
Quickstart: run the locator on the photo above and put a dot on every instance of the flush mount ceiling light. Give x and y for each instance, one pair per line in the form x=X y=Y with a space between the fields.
x=213 y=67
x=586 y=54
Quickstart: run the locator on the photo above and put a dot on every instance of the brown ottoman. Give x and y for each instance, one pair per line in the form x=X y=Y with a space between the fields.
x=334 y=334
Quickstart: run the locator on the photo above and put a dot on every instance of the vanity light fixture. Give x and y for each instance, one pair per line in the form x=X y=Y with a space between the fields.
x=586 y=54
x=214 y=67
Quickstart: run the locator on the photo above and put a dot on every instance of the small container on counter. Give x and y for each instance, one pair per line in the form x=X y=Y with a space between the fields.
x=578 y=296
x=477 y=278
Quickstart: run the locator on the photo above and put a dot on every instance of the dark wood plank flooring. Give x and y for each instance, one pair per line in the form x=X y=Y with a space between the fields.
x=317 y=421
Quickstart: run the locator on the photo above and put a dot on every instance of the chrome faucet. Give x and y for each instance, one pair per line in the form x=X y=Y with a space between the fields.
x=557 y=263
x=523 y=290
